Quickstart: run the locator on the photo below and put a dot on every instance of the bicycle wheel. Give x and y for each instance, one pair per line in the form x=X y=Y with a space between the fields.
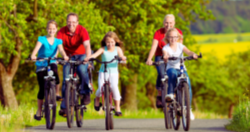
x=50 y=104
x=79 y=109
x=69 y=101
x=174 y=115
x=185 y=106
x=107 y=110
x=166 y=109
x=111 y=112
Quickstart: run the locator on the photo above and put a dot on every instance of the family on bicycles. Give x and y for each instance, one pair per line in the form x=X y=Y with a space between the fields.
x=73 y=42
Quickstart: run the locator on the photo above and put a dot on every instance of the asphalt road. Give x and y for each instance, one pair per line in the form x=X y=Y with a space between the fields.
x=137 y=125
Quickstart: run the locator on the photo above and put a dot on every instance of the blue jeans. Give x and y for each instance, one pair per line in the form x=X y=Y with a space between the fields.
x=82 y=72
x=161 y=72
x=172 y=81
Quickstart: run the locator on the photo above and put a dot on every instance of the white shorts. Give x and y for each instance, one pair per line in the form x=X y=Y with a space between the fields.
x=113 y=79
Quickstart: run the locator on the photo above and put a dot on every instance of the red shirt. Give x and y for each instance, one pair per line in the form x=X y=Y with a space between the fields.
x=159 y=35
x=73 y=45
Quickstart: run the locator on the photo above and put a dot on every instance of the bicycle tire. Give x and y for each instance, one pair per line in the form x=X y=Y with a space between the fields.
x=174 y=115
x=50 y=104
x=69 y=94
x=111 y=112
x=166 y=109
x=79 y=111
x=185 y=106
x=107 y=110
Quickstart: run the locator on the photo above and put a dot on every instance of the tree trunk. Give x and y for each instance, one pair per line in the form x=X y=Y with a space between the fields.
x=8 y=98
x=231 y=109
x=151 y=94
x=129 y=100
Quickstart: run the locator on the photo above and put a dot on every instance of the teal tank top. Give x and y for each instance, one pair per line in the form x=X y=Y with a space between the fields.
x=108 y=56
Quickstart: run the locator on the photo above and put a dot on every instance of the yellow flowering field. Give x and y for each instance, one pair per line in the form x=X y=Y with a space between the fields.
x=222 y=45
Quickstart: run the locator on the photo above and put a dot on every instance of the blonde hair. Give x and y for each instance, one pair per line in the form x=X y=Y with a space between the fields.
x=112 y=35
x=51 y=22
x=168 y=15
x=72 y=14
x=169 y=31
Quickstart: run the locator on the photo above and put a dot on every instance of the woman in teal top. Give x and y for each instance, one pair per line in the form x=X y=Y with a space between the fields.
x=110 y=48
x=47 y=46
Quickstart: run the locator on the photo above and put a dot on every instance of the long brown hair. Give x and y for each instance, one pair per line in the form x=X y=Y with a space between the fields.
x=112 y=35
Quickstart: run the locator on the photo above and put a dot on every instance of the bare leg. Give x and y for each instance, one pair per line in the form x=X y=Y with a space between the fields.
x=39 y=104
x=117 y=105
x=97 y=100
x=57 y=90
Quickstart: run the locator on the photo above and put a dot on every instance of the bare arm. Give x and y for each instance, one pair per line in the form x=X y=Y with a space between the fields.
x=62 y=52
x=190 y=53
x=152 y=52
x=35 y=50
x=96 y=54
x=120 y=54
x=86 y=44
x=165 y=55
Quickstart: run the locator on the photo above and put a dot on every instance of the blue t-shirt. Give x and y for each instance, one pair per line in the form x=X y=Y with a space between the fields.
x=108 y=56
x=47 y=50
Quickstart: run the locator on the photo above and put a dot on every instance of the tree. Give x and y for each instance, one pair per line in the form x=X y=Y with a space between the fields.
x=21 y=24
x=135 y=22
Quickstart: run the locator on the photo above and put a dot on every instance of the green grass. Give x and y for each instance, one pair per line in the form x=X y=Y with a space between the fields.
x=241 y=118
x=15 y=120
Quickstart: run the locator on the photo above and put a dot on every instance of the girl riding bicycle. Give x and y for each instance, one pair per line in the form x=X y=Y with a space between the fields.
x=110 y=48
x=47 y=46
x=175 y=49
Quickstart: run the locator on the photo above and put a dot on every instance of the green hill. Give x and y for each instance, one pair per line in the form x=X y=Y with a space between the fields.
x=232 y=16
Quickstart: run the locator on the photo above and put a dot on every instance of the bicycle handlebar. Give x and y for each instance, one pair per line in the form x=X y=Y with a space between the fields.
x=184 y=58
x=106 y=62
x=175 y=58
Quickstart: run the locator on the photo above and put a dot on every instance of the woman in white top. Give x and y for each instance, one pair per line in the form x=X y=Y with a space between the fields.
x=175 y=49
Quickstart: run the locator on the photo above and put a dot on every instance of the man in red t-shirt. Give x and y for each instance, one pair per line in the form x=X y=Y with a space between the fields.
x=157 y=45
x=76 y=44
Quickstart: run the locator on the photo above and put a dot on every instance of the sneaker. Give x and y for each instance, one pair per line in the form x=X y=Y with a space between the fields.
x=37 y=117
x=158 y=102
x=191 y=115
x=58 y=98
x=62 y=112
x=118 y=113
x=97 y=108
x=169 y=97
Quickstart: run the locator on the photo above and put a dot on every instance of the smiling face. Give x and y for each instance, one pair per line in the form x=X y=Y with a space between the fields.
x=172 y=37
x=169 y=22
x=110 y=43
x=72 y=23
x=51 y=29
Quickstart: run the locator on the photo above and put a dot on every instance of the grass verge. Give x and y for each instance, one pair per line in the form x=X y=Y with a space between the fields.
x=241 y=118
x=14 y=120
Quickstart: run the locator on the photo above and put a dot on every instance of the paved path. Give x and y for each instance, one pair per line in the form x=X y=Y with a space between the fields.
x=137 y=125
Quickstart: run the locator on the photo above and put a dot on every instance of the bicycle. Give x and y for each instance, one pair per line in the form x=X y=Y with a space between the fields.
x=180 y=106
x=107 y=93
x=49 y=107
x=164 y=89
x=73 y=98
